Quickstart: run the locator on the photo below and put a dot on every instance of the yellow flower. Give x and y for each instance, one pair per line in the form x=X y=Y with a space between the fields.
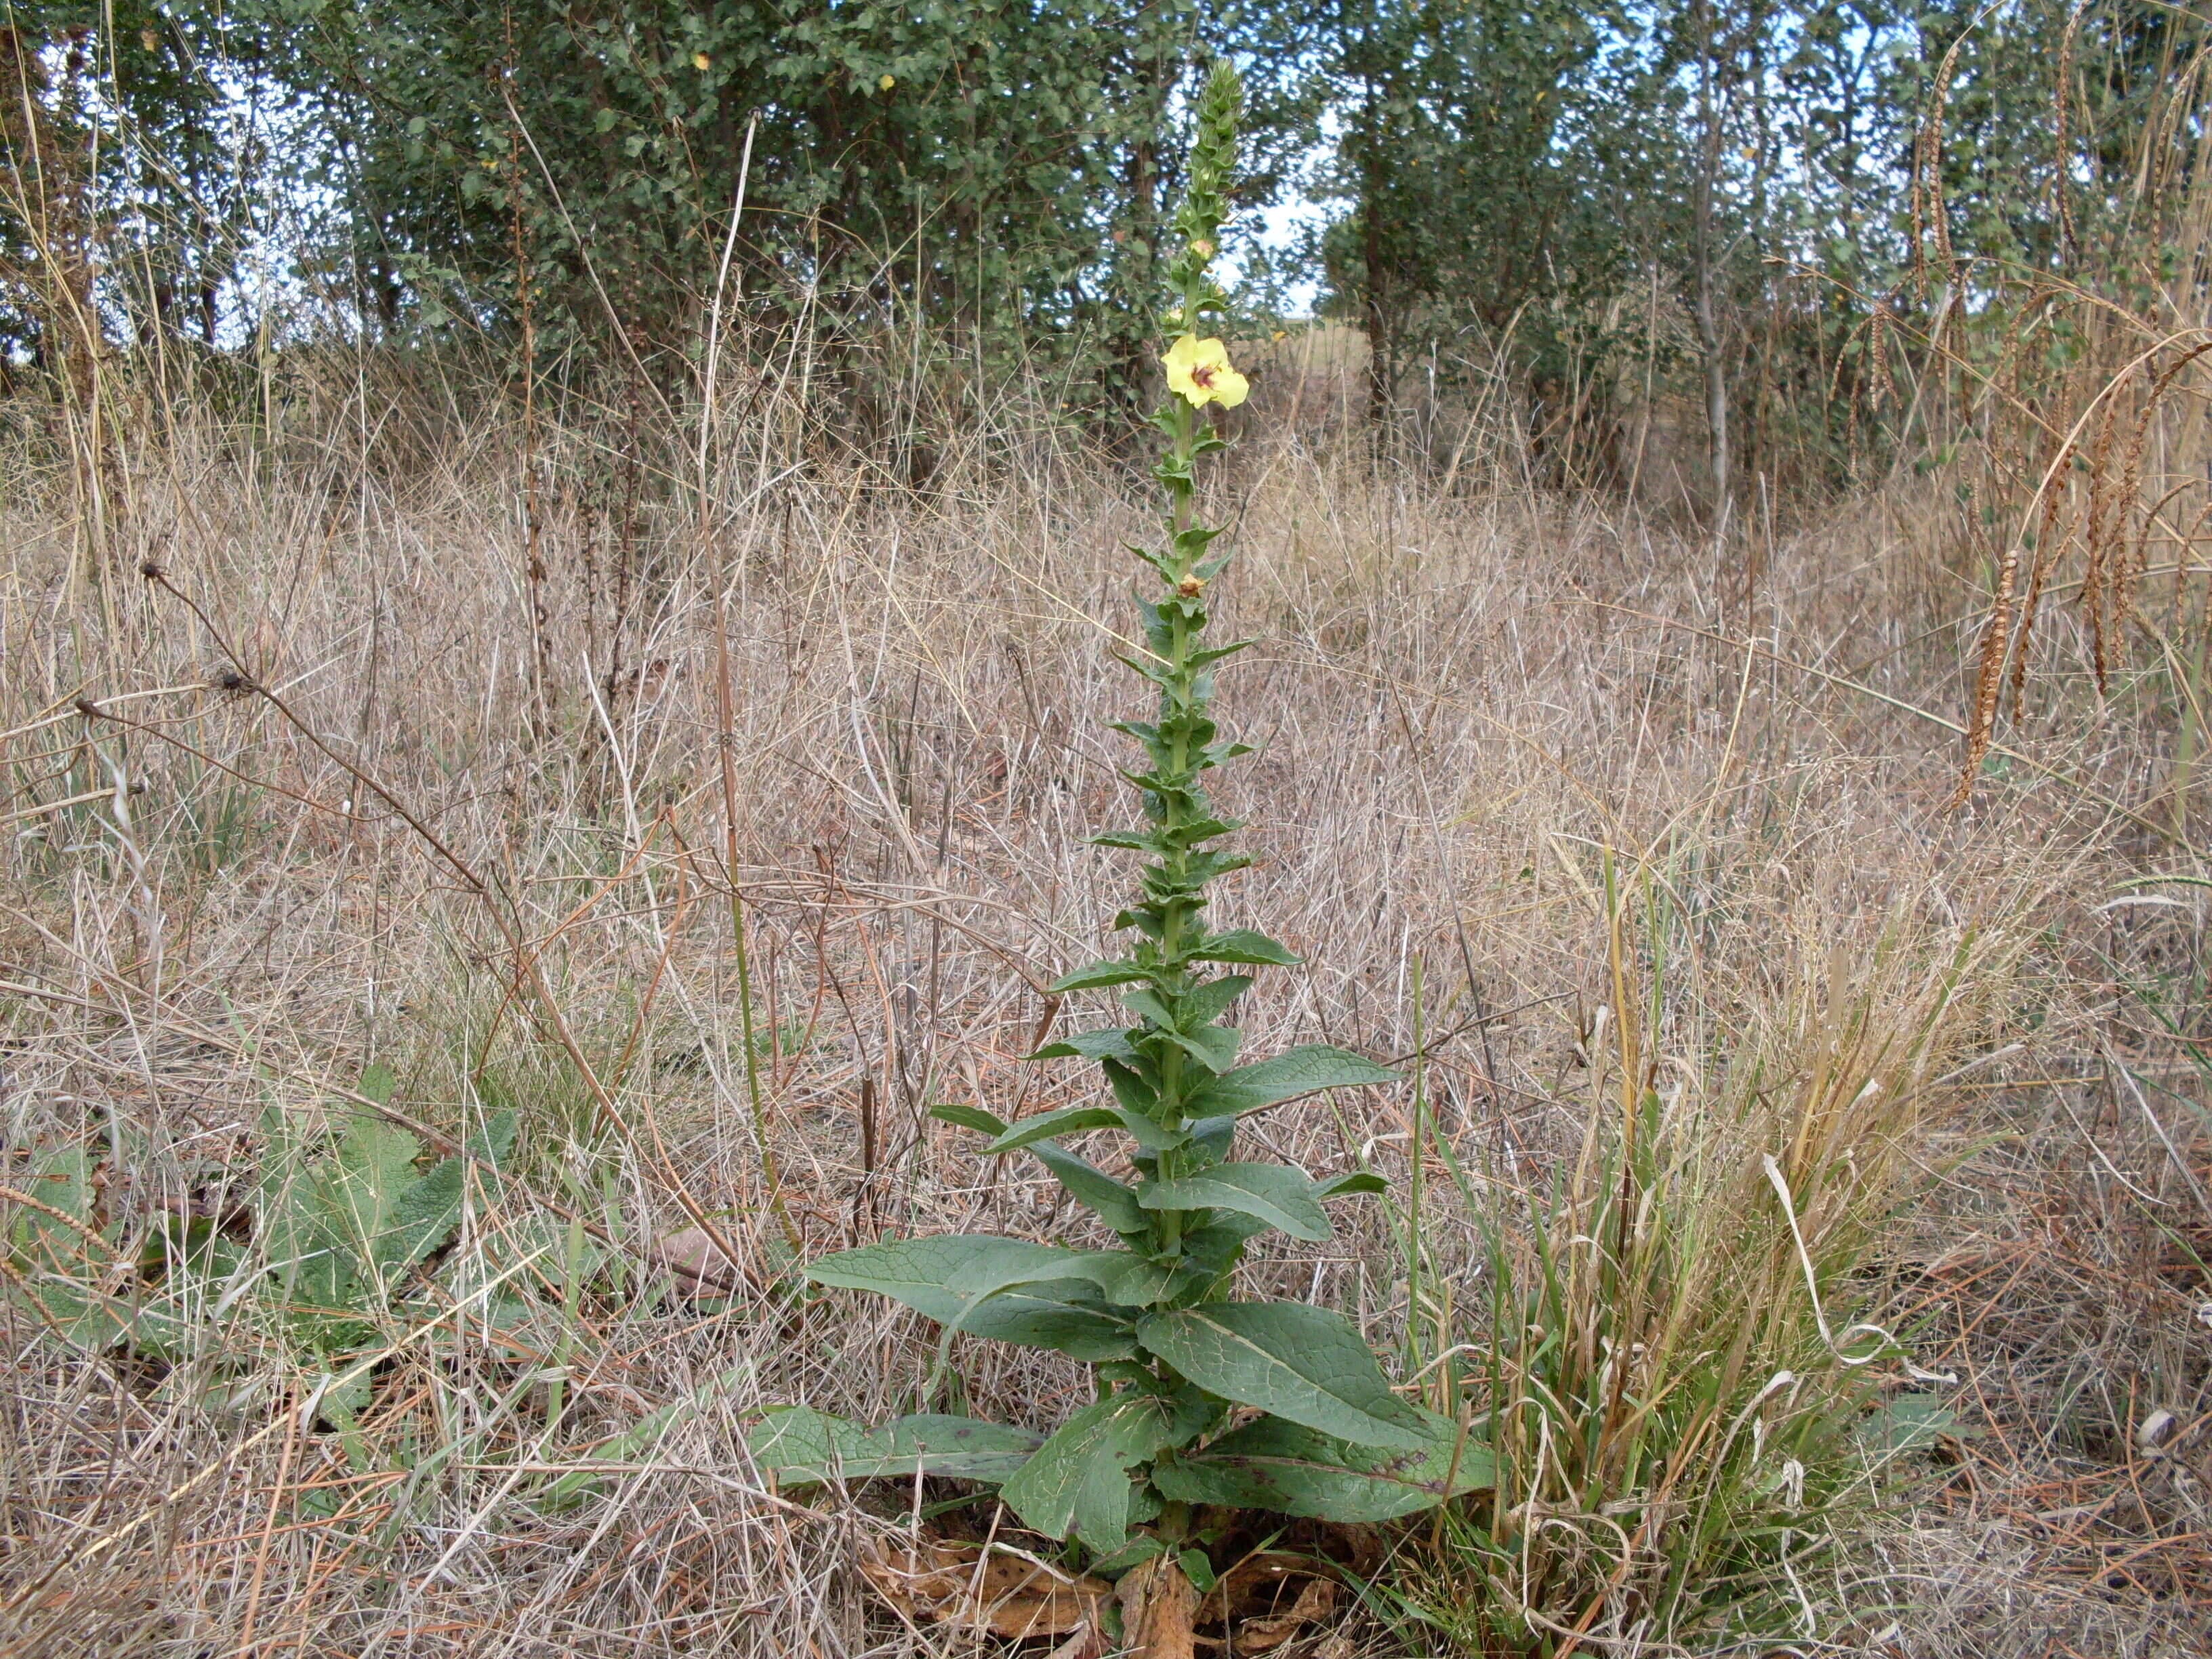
x=887 y=83
x=700 y=61
x=1199 y=370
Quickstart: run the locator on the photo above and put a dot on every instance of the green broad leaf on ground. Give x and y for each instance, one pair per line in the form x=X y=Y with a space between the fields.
x=1078 y=1480
x=1300 y=1071
x=1098 y=976
x=1091 y=1186
x=645 y=1434
x=1277 y=1193
x=1244 y=944
x=1306 y=1365
x=1048 y=1126
x=1293 y=1470
x=1912 y=1423
x=425 y=1213
x=803 y=1447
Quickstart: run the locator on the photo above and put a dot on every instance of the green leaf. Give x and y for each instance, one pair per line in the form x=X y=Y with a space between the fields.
x=1146 y=1004
x=646 y=1433
x=1243 y=944
x=1217 y=1246
x=1911 y=1423
x=1355 y=1180
x=949 y=1277
x=1213 y=1047
x=1030 y=1319
x=1198 y=1569
x=1091 y=1186
x=1207 y=1001
x=62 y=1179
x=1300 y=1071
x=940 y=1273
x=1096 y=977
x=803 y=1447
x=1090 y=1045
x=1152 y=1135
x=1293 y=1470
x=1304 y=1364
x=1277 y=1193
x=969 y=1117
x=1078 y=1480
x=1048 y=1126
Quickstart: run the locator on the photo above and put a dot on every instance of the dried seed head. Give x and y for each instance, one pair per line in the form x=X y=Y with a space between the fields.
x=1191 y=586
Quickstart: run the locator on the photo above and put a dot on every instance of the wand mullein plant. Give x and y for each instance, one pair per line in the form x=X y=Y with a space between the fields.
x=1182 y=1370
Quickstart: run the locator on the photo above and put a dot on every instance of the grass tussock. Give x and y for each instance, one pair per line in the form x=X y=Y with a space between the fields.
x=1749 y=1092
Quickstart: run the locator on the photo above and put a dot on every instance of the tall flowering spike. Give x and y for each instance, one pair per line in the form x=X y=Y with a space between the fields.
x=1165 y=1065
x=1172 y=1357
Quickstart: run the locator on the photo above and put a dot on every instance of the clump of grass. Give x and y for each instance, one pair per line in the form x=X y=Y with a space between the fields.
x=1683 y=1391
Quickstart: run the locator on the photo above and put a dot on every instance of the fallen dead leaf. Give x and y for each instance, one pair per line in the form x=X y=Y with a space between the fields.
x=1317 y=1600
x=698 y=1267
x=1000 y=1593
x=1087 y=1643
x=1158 y=1605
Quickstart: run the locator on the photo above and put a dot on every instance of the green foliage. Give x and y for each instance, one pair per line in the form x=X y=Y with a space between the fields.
x=113 y=107
x=992 y=166
x=340 y=1230
x=1174 y=1358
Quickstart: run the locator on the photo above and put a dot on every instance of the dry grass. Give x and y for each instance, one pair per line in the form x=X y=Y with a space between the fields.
x=1464 y=700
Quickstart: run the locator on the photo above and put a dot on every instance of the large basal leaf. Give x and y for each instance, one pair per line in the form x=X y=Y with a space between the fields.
x=1300 y=1071
x=1293 y=1470
x=1280 y=1196
x=425 y=1213
x=1078 y=1480
x=1304 y=1364
x=801 y=1446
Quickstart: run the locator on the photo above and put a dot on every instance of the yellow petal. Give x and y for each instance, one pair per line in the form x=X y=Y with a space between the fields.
x=1180 y=361
x=887 y=83
x=700 y=60
x=1230 y=388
